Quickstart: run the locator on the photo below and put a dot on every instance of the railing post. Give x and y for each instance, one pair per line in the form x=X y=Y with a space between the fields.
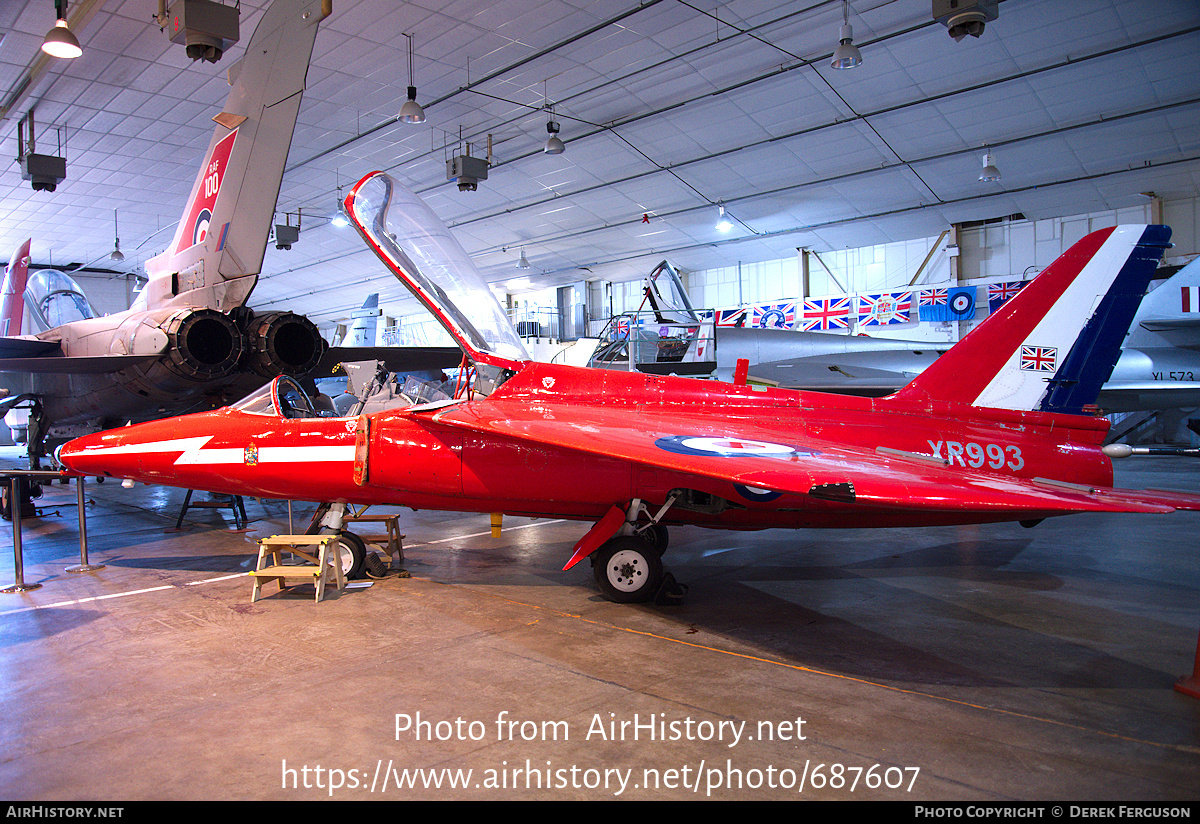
x=15 y=499
x=83 y=565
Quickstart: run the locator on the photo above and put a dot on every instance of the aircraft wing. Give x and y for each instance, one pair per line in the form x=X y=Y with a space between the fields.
x=1160 y=324
x=755 y=455
x=28 y=348
x=96 y=365
x=400 y=359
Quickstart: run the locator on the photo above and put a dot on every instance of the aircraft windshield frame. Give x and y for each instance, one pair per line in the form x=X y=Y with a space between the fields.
x=282 y=397
x=411 y=241
x=55 y=298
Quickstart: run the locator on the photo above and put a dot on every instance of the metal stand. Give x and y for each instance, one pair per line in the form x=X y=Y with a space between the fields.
x=16 y=482
x=16 y=496
x=83 y=565
x=231 y=502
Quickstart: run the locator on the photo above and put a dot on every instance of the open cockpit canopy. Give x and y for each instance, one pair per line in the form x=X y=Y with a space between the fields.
x=420 y=251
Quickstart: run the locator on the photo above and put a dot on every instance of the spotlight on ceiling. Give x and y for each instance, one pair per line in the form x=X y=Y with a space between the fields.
x=59 y=41
x=963 y=17
x=553 y=144
x=724 y=224
x=990 y=173
x=411 y=111
x=206 y=29
x=44 y=172
x=285 y=233
x=116 y=252
x=523 y=263
x=339 y=216
x=846 y=55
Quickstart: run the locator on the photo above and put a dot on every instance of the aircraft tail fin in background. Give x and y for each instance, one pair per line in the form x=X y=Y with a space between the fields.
x=1171 y=308
x=1054 y=345
x=12 y=294
x=217 y=252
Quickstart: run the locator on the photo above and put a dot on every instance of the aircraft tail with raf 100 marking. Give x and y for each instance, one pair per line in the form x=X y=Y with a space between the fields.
x=1054 y=345
x=219 y=244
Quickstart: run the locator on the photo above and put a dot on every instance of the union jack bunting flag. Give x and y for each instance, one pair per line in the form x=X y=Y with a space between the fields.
x=825 y=313
x=933 y=297
x=775 y=315
x=1000 y=293
x=880 y=310
x=951 y=303
x=732 y=317
x=1038 y=358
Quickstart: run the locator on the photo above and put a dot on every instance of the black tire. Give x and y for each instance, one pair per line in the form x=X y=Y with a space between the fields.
x=352 y=553
x=657 y=536
x=627 y=569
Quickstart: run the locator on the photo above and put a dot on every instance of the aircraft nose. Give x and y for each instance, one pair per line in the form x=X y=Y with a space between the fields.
x=73 y=453
x=98 y=454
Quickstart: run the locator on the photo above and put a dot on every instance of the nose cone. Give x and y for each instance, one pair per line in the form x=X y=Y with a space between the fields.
x=102 y=454
x=143 y=452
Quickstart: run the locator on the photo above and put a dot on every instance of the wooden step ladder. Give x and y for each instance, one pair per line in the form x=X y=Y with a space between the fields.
x=391 y=539
x=320 y=553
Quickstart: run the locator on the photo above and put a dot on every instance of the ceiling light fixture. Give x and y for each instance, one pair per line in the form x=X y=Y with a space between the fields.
x=523 y=263
x=846 y=55
x=723 y=222
x=411 y=111
x=339 y=214
x=990 y=173
x=59 y=41
x=553 y=144
x=116 y=252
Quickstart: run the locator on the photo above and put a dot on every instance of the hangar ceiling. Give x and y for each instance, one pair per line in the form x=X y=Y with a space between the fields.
x=667 y=108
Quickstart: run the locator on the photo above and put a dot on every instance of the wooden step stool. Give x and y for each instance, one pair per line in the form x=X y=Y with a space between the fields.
x=391 y=540
x=319 y=569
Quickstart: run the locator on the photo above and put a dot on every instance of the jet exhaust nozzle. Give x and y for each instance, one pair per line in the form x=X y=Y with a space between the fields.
x=205 y=344
x=283 y=343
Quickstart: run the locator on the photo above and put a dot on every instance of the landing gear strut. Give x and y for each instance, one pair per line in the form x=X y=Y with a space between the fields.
x=628 y=567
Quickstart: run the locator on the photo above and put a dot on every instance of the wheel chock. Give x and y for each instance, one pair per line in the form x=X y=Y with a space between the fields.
x=670 y=592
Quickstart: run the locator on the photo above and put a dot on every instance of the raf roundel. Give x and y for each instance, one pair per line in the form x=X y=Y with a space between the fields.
x=756 y=493
x=961 y=303
x=728 y=447
x=200 y=230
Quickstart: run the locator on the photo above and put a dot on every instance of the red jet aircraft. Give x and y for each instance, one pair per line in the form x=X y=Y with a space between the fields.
x=995 y=430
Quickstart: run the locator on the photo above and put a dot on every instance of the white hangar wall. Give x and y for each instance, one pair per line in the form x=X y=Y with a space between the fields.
x=996 y=251
x=1003 y=250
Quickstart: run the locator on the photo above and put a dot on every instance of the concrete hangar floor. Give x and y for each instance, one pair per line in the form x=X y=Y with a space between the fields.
x=990 y=663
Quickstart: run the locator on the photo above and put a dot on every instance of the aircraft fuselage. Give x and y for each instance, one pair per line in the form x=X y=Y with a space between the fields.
x=406 y=457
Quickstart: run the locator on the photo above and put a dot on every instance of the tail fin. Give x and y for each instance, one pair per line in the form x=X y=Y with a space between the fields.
x=1170 y=315
x=1054 y=345
x=217 y=252
x=13 y=292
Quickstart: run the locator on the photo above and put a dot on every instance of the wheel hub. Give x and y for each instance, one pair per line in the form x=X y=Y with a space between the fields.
x=626 y=570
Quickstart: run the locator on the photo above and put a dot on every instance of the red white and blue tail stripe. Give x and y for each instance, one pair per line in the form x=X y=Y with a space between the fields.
x=1053 y=345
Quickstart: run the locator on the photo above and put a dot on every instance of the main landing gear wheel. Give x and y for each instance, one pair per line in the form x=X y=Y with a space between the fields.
x=351 y=552
x=657 y=536
x=628 y=569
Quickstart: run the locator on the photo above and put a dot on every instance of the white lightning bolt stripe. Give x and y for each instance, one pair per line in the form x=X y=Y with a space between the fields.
x=192 y=452
x=306 y=454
